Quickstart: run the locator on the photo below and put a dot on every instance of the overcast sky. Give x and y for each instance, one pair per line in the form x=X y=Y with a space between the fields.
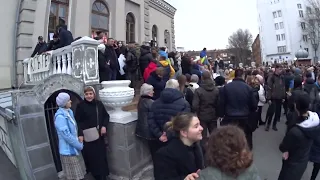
x=209 y=23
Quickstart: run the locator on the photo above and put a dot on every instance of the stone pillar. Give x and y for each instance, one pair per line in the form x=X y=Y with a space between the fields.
x=128 y=156
x=173 y=37
x=146 y=19
x=85 y=64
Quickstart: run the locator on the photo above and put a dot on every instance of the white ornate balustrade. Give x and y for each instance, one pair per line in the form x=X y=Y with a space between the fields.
x=80 y=59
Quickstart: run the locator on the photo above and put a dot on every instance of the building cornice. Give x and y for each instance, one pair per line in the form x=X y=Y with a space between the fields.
x=163 y=7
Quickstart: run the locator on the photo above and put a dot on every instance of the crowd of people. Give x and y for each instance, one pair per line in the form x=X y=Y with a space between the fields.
x=198 y=116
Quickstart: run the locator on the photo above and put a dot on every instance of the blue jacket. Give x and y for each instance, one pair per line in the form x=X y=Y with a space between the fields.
x=66 y=127
x=203 y=54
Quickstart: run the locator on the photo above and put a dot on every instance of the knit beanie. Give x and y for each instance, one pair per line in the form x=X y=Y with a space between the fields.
x=62 y=99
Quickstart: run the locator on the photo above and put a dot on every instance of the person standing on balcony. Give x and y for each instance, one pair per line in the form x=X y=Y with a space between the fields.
x=40 y=48
x=112 y=57
x=53 y=43
x=65 y=37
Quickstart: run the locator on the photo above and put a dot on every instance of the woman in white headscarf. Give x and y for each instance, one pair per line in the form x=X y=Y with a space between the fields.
x=69 y=145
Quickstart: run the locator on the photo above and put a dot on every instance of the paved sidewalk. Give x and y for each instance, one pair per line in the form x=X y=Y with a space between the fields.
x=7 y=170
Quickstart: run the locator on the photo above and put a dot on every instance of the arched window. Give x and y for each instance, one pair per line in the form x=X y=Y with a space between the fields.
x=100 y=17
x=154 y=33
x=59 y=10
x=130 y=28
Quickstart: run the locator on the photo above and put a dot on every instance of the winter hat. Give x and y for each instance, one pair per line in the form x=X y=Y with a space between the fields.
x=220 y=81
x=163 y=54
x=62 y=99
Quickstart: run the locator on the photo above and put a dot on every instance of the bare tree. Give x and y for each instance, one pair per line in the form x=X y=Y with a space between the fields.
x=311 y=24
x=239 y=45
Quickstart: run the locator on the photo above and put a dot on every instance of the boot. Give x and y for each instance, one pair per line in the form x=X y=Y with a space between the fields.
x=267 y=128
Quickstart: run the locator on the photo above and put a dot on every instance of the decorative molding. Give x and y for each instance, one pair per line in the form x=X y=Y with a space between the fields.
x=56 y=82
x=173 y=37
x=163 y=7
x=146 y=21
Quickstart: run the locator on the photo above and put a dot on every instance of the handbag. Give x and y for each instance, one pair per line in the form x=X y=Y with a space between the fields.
x=92 y=134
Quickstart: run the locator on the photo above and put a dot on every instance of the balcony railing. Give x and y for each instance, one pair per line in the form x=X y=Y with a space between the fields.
x=80 y=59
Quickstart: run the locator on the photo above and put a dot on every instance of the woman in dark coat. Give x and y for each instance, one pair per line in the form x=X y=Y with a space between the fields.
x=91 y=113
x=142 y=127
x=182 y=158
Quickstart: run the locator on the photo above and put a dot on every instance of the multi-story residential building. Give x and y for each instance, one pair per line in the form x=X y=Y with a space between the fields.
x=282 y=30
x=256 y=51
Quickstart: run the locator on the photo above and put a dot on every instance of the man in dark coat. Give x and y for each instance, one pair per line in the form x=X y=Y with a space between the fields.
x=156 y=80
x=65 y=37
x=104 y=69
x=53 y=44
x=112 y=57
x=170 y=103
x=131 y=65
x=40 y=48
x=145 y=57
x=237 y=103
x=205 y=107
x=276 y=94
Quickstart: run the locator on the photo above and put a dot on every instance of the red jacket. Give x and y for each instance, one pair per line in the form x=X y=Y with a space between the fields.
x=151 y=67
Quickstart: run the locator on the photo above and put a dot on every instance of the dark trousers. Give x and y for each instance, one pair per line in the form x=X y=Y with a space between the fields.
x=315 y=171
x=132 y=76
x=208 y=127
x=285 y=105
x=113 y=74
x=274 y=109
x=260 y=114
x=241 y=122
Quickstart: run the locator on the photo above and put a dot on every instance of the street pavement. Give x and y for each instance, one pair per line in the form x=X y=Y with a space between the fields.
x=267 y=156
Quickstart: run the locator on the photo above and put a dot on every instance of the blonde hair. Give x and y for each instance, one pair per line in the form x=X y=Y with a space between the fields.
x=180 y=122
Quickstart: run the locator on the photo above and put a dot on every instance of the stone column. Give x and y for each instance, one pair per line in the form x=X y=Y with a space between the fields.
x=85 y=64
x=146 y=19
x=128 y=156
x=173 y=37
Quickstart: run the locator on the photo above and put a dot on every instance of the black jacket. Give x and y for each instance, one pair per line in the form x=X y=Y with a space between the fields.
x=297 y=142
x=131 y=61
x=53 y=45
x=145 y=55
x=39 y=49
x=276 y=88
x=203 y=106
x=176 y=160
x=157 y=83
x=65 y=37
x=170 y=104
x=111 y=56
x=237 y=99
x=308 y=85
x=104 y=69
x=142 y=127
x=88 y=117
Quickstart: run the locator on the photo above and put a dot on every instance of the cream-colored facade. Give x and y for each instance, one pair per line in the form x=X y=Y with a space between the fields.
x=25 y=20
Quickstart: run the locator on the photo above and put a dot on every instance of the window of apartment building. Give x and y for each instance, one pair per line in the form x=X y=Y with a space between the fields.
x=282 y=49
x=100 y=17
x=276 y=26
x=305 y=38
x=283 y=37
x=309 y=10
x=299 y=6
x=281 y=25
x=58 y=15
x=307 y=49
x=301 y=13
x=303 y=25
x=274 y=14
x=317 y=10
x=130 y=28
x=278 y=37
x=279 y=13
